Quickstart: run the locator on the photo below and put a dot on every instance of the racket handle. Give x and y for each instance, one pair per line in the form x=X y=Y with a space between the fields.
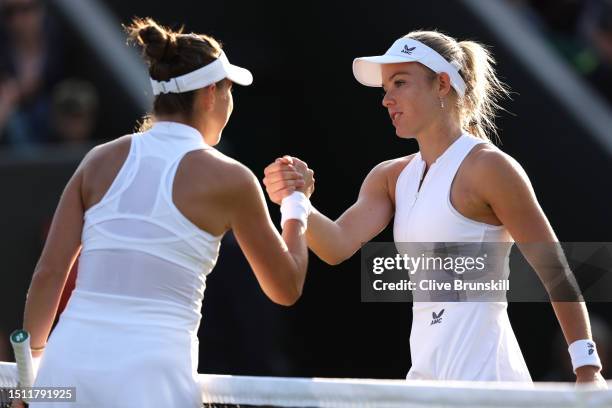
x=20 y=340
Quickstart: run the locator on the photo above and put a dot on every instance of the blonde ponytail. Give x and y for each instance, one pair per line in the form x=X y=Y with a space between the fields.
x=484 y=90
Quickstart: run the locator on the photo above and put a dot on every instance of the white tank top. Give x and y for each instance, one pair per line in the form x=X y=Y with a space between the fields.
x=136 y=243
x=454 y=340
x=427 y=215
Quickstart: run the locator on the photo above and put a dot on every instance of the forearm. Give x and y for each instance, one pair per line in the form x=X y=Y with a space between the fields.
x=574 y=320
x=326 y=240
x=41 y=307
x=550 y=263
x=293 y=235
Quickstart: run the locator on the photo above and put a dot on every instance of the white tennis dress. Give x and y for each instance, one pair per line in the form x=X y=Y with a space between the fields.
x=454 y=340
x=128 y=336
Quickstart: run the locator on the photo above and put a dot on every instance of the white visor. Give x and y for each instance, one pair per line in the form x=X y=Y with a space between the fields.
x=202 y=77
x=367 y=70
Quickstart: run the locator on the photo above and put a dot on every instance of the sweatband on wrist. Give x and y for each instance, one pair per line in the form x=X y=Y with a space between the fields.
x=295 y=206
x=583 y=353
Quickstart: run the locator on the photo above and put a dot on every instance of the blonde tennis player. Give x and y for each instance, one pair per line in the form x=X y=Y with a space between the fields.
x=457 y=188
x=149 y=211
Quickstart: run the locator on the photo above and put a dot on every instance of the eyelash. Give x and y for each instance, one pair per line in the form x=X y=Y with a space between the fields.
x=397 y=84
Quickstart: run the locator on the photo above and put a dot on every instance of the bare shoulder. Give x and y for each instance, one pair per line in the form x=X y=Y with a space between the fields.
x=487 y=162
x=217 y=172
x=384 y=175
x=100 y=167
x=489 y=173
x=391 y=169
x=108 y=154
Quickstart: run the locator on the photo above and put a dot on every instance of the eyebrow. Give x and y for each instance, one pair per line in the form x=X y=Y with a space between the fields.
x=399 y=73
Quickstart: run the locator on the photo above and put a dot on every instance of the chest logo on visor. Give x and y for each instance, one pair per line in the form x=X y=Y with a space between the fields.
x=407 y=50
x=437 y=318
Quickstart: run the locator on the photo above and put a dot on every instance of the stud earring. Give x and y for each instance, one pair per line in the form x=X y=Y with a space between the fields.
x=441 y=103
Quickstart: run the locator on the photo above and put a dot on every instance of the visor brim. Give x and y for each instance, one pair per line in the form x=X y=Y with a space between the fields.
x=367 y=70
x=239 y=75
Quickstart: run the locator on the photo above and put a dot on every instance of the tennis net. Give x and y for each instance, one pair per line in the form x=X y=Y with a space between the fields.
x=242 y=391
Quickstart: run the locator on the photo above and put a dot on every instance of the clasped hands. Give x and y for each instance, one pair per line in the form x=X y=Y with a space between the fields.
x=286 y=175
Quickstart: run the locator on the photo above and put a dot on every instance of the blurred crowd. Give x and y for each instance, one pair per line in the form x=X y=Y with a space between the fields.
x=40 y=101
x=580 y=31
x=45 y=100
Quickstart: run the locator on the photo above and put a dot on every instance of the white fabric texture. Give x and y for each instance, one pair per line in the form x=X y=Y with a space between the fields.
x=471 y=340
x=128 y=336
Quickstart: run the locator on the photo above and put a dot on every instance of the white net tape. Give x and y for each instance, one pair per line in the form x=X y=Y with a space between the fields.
x=327 y=392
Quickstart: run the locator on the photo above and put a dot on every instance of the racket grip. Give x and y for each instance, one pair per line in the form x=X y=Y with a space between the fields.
x=20 y=340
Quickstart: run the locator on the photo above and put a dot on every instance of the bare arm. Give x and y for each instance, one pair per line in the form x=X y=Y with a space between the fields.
x=60 y=251
x=336 y=241
x=279 y=263
x=507 y=189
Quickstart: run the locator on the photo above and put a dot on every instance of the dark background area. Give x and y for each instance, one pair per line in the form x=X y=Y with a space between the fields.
x=305 y=102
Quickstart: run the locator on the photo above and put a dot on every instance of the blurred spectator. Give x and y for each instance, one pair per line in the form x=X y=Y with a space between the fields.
x=561 y=16
x=74 y=111
x=30 y=64
x=596 y=28
x=581 y=31
x=562 y=365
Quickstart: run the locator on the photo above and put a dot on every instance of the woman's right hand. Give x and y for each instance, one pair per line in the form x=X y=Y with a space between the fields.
x=18 y=404
x=286 y=175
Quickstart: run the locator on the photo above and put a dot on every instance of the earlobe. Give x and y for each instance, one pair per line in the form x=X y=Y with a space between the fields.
x=445 y=85
x=208 y=97
x=213 y=95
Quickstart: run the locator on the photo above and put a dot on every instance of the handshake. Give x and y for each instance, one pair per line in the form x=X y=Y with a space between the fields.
x=286 y=175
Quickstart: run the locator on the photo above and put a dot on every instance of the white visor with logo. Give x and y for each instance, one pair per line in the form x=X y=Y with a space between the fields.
x=367 y=70
x=202 y=77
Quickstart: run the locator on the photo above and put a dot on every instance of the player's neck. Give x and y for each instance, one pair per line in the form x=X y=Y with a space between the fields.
x=434 y=141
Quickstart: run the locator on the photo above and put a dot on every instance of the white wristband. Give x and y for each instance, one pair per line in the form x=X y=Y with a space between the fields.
x=295 y=206
x=583 y=353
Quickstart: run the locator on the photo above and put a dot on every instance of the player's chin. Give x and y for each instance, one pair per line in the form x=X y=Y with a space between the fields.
x=215 y=140
x=403 y=133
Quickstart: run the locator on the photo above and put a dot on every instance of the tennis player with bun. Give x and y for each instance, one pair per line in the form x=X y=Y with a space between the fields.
x=458 y=188
x=149 y=211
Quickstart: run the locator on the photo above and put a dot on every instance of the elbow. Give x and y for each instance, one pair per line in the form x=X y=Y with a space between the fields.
x=47 y=277
x=43 y=274
x=287 y=302
x=334 y=260
x=289 y=298
x=336 y=254
x=290 y=295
